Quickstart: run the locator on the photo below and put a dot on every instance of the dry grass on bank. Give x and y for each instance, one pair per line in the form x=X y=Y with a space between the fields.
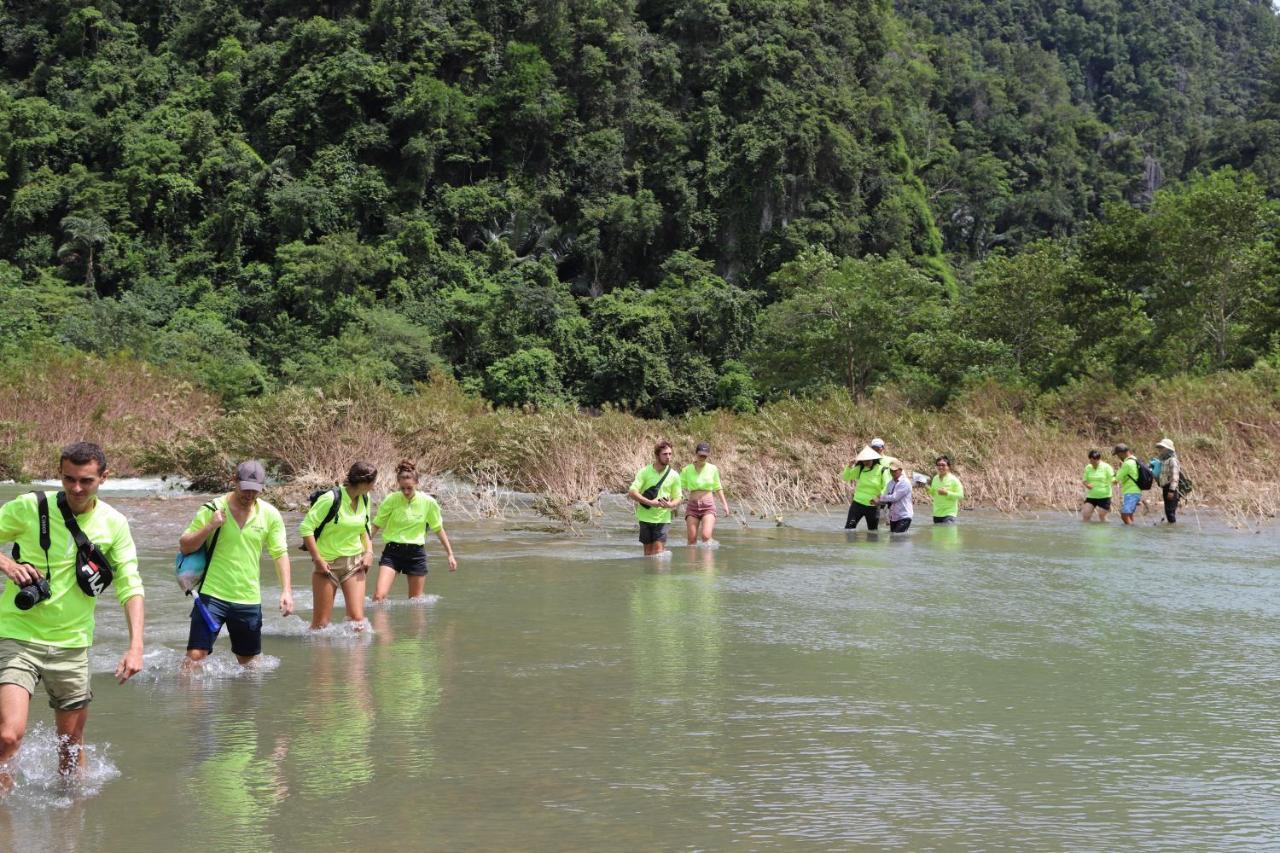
x=1013 y=451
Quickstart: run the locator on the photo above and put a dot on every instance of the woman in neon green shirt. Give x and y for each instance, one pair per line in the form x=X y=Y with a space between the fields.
x=947 y=491
x=404 y=517
x=1098 y=477
x=340 y=547
x=702 y=481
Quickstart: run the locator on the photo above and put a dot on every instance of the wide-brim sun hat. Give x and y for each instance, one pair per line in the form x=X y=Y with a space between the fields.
x=1165 y=444
x=866 y=454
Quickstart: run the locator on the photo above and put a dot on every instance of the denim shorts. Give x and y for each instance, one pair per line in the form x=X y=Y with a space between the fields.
x=1130 y=504
x=409 y=560
x=243 y=621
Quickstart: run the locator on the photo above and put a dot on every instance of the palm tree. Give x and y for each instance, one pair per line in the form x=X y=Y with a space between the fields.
x=84 y=234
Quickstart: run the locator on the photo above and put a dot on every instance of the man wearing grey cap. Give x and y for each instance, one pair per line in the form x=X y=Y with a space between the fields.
x=232 y=531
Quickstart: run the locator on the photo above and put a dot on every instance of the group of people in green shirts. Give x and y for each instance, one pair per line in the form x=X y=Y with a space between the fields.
x=64 y=558
x=1134 y=477
x=880 y=482
x=658 y=491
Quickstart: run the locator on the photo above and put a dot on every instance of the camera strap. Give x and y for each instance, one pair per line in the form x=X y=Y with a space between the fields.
x=42 y=513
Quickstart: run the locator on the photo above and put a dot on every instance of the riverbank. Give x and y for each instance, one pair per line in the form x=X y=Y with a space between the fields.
x=1014 y=451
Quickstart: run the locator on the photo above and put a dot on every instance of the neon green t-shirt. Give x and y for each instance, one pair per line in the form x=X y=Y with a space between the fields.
x=234 y=574
x=406 y=521
x=707 y=480
x=646 y=478
x=66 y=618
x=1099 y=479
x=340 y=537
x=945 y=506
x=1128 y=477
x=869 y=481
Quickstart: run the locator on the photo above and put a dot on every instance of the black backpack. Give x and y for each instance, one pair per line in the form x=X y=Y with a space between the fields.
x=1146 y=479
x=333 y=510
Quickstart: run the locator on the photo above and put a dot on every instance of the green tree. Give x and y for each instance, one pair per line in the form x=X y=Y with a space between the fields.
x=84 y=236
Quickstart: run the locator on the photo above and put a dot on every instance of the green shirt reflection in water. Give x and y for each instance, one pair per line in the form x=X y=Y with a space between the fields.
x=335 y=729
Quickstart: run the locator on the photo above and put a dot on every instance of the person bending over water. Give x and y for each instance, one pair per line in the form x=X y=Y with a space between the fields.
x=897 y=497
x=230 y=589
x=1098 y=478
x=46 y=609
x=404 y=517
x=339 y=544
x=702 y=481
x=655 y=492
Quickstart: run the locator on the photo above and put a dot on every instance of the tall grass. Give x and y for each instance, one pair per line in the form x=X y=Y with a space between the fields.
x=1013 y=450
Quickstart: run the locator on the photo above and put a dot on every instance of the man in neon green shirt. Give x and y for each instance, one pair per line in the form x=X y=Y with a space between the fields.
x=869 y=478
x=49 y=641
x=655 y=492
x=947 y=491
x=1098 y=478
x=1127 y=476
x=231 y=590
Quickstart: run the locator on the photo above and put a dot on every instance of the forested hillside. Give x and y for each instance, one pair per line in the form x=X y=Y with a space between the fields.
x=665 y=205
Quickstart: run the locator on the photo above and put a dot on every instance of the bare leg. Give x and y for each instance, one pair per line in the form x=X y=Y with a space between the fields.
x=15 y=702
x=70 y=725
x=247 y=660
x=1087 y=512
x=353 y=596
x=386 y=579
x=708 y=527
x=1102 y=515
x=417 y=585
x=194 y=656
x=322 y=592
x=691 y=529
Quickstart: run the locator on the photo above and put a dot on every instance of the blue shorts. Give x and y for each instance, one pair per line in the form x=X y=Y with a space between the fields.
x=1130 y=503
x=243 y=621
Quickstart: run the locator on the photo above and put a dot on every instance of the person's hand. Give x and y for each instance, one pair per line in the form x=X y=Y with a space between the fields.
x=286 y=603
x=218 y=519
x=941 y=490
x=20 y=573
x=129 y=666
x=321 y=565
x=366 y=561
x=453 y=564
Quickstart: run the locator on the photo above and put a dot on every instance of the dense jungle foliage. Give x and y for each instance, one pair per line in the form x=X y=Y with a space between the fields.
x=665 y=205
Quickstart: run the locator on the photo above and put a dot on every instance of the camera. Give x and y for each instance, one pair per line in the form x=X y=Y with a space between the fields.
x=33 y=593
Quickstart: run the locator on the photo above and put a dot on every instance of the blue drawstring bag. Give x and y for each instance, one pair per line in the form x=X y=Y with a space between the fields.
x=190 y=570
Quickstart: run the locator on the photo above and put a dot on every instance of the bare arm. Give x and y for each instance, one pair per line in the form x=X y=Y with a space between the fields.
x=724 y=501
x=448 y=549
x=309 y=542
x=284 y=571
x=189 y=543
x=131 y=664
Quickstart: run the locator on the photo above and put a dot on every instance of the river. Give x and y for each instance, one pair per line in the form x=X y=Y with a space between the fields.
x=1007 y=683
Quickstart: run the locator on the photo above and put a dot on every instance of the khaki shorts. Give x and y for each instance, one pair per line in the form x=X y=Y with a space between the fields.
x=341 y=569
x=65 y=672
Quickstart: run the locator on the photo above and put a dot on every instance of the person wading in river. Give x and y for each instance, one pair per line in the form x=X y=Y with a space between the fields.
x=656 y=493
x=947 y=491
x=339 y=545
x=1128 y=477
x=702 y=482
x=405 y=516
x=55 y=578
x=869 y=478
x=1170 y=472
x=897 y=497
x=235 y=528
x=1098 y=478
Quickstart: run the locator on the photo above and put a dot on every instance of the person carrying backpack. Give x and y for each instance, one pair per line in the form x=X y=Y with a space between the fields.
x=1169 y=479
x=1134 y=477
x=335 y=532
x=232 y=530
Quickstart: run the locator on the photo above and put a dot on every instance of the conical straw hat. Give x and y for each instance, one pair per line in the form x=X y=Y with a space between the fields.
x=866 y=454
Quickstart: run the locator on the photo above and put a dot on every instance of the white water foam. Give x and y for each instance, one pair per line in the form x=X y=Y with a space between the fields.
x=417 y=601
x=37 y=782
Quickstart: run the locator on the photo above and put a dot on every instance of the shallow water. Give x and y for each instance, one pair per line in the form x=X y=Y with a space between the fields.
x=1006 y=683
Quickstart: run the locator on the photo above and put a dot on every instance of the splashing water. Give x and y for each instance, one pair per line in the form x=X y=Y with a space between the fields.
x=37 y=782
x=416 y=601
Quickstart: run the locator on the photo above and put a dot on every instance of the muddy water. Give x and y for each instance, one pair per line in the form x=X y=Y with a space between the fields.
x=1007 y=683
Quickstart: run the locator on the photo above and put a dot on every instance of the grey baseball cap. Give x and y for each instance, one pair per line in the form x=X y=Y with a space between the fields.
x=702 y=448
x=251 y=475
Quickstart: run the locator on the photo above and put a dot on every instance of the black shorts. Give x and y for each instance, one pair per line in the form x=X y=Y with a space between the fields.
x=651 y=533
x=858 y=511
x=409 y=560
x=243 y=622
x=902 y=525
x=1100 y=503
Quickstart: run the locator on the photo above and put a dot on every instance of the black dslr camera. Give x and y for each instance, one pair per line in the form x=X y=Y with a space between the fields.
x=33 y=593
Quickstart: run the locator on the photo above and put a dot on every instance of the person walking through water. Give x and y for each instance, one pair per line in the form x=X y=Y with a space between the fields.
x=869 y=478
x=1170 y=474
x=1098 y=478
x=656 y=493
x=701 y=480
x=233 y=530
x=339 y=544
x=897 y=497
x=67 y=549
x=947 y=492
x=1130 y=478
x=405 y=516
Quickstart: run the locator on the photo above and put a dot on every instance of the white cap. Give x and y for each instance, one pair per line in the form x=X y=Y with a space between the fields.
x=877 y=443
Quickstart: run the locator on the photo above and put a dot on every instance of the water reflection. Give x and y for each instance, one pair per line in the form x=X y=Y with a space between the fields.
x=406 y=689
x=335 y=721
